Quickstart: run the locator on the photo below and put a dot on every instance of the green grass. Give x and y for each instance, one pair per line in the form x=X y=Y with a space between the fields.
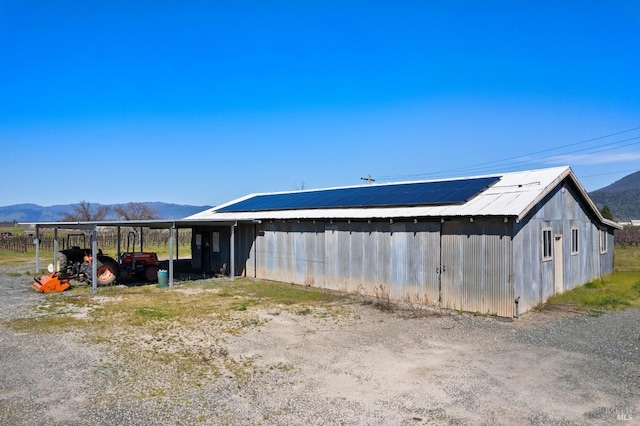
x=617 y=291
x=620 y=290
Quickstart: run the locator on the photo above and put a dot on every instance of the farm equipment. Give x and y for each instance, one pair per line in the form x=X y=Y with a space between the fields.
x=142 y=264
x=75 y=263
x=51 y=283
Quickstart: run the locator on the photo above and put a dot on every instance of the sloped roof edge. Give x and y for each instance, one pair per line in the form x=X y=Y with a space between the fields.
x=568 y=173
x=497 y=201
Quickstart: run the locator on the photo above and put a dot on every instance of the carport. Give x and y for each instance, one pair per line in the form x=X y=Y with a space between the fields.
x=92 y=226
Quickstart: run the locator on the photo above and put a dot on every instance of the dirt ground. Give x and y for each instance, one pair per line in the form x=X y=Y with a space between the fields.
x=363 y=366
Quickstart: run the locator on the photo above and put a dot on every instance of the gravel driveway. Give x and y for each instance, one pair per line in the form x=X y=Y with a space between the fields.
x=363 y=366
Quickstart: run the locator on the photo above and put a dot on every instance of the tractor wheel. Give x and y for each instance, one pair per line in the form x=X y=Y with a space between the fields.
x=63 y=262
x=105 y=275
x=111 y=264
x=151 y=273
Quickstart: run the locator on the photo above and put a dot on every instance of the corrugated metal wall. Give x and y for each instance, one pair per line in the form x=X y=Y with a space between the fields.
x=401 y=260
x=290 y=252
x=476 y=267
x=561 y=211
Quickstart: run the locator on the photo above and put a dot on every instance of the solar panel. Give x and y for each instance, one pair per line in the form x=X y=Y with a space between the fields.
x=394 y=195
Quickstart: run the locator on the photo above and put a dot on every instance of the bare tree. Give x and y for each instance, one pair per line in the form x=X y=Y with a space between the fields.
x=299 y=186
x=83 y=211
x=135 y=211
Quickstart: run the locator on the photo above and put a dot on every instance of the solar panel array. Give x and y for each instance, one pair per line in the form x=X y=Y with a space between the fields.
x=395 y=195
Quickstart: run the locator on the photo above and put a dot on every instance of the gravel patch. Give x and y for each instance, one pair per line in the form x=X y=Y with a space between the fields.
x=362 y=366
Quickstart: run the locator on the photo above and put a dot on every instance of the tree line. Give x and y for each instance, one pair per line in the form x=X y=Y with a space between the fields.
x=85 y=212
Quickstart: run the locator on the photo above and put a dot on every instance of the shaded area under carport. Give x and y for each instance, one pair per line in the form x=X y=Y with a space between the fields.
x=171 y=225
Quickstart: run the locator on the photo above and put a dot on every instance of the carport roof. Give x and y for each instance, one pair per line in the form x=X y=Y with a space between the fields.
x=153 y=224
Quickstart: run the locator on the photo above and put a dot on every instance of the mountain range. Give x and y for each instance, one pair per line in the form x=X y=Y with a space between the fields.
x=37 y=213
x=622 y=197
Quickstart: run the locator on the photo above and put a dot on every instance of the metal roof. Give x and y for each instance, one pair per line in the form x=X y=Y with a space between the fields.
x=513 y=195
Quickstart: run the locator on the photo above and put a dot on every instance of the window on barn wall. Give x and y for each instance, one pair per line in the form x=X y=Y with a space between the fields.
x=546 y=244
x=574 y=241
x=603 y=241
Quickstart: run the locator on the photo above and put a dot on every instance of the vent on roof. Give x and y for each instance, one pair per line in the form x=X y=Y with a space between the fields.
x=395 y=195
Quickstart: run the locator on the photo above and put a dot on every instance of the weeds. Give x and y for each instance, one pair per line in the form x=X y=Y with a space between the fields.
x=383 y=299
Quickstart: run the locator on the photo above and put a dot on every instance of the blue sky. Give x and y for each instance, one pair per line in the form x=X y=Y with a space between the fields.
x=200 y=102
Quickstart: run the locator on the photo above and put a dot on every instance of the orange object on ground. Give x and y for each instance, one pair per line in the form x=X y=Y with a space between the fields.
x=50 y=283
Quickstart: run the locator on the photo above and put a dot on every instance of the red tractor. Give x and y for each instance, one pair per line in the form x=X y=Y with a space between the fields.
x=142 y=265
x=76 y=263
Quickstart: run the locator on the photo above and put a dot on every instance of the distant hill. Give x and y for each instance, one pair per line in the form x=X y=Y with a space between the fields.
x=622 y=197
x=36 y=213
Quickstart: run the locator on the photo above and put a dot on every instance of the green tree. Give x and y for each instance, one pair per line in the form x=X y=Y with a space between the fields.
x=606 y=212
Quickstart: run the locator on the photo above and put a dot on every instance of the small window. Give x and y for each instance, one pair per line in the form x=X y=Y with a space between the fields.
x=546 y=244
x=574 y=241
x=603 y=241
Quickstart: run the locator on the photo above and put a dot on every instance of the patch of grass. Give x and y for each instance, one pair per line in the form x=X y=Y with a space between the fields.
x=617 y=291
x=280 y=293
x=154 y=313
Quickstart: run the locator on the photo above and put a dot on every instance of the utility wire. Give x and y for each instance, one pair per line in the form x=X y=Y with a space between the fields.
x=527 y=158
x=611 y=173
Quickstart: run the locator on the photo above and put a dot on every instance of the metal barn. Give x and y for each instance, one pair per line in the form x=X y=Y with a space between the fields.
x=498 y=244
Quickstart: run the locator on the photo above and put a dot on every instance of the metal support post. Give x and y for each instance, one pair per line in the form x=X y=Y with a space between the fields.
x=37 y=243
x=94 y=263
x=171 y=257
x=55 y=249
x=232 y=261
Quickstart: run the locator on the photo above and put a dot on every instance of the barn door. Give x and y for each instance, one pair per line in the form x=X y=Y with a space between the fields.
x=558 y=267
x=450 y=255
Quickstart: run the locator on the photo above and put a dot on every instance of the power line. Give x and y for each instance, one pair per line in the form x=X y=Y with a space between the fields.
x=610 y=173
x=528 y=159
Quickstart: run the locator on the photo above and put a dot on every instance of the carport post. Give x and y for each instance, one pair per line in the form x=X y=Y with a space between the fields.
x=171 y=256
x=37 y=242
x=232 y=243
x=94 y=263
x=55 y=249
